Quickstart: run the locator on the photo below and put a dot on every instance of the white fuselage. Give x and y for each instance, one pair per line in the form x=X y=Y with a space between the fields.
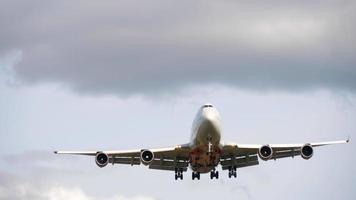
x=205 y=139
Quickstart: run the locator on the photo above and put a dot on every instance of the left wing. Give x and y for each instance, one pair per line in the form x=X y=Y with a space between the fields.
x=242 y=155
x=163 y=158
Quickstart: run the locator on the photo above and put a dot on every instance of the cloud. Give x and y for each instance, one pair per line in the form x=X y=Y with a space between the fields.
x=129 y=47
x=40 y=159
x=112 y=123
x=16 y=187
x=29 y=191
x=7 y=61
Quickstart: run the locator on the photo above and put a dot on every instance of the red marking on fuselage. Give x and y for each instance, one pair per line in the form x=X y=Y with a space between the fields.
x=202 y=160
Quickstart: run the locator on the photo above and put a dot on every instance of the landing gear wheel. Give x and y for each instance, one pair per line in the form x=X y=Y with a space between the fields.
x=195 y=175
x=232 y=172
x=214 y=174
x=178 y=174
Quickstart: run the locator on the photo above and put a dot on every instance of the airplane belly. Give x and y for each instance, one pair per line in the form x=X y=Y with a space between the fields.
x=203 y=158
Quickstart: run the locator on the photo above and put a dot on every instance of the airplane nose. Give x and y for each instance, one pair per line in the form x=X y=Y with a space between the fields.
x=210 y=127
x=211 y=119
x=209 y=113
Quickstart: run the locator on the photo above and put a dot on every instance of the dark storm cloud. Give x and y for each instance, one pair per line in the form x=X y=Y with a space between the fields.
x=127 y=47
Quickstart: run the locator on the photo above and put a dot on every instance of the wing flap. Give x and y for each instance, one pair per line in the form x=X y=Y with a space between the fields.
x=291 y=152
x=124 y=160
x=168 y=168
x=170 y=163
x=238 y=162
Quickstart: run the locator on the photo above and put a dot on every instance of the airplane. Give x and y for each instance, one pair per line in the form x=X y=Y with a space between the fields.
x=204 y=152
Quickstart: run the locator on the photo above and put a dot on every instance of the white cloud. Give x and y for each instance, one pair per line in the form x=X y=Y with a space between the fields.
x=60 y=193
x=118 y=197
x=7 y=61
x=31 y=191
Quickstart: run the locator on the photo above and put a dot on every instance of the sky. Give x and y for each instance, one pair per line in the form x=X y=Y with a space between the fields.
x=88 y=75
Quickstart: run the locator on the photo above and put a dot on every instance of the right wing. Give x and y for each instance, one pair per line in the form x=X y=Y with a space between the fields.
x=243 y=155
x=163 y=158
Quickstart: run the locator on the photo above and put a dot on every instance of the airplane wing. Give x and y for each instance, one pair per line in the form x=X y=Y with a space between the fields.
x=243 y=155
x=163 y=158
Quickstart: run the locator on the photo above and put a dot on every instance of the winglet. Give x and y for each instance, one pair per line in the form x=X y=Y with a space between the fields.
x=55 y=152
x=348 y=139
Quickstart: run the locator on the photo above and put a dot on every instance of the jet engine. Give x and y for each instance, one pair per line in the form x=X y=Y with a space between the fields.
x=306 y=151
x=265 y=152
x=101 y=159
x=147 y=156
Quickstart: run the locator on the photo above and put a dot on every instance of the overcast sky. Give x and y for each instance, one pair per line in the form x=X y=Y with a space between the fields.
x=79 y=75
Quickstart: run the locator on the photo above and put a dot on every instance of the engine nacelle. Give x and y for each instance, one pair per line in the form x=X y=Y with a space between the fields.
x=265 y=152
x=101 y=159
x=306 y=151
x=146 y=156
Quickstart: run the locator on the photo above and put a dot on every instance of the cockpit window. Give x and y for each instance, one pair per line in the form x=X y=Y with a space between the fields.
x=207 y=105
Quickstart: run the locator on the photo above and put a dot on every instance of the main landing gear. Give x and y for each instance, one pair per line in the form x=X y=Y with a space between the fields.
x=195 y=175
x=178 y=174
x=214 y=174
x=232 y=172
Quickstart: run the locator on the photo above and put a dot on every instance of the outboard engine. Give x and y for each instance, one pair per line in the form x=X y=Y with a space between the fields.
x=265 y=152
x=146 y=156
x=306 y=151
x=101 y=159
